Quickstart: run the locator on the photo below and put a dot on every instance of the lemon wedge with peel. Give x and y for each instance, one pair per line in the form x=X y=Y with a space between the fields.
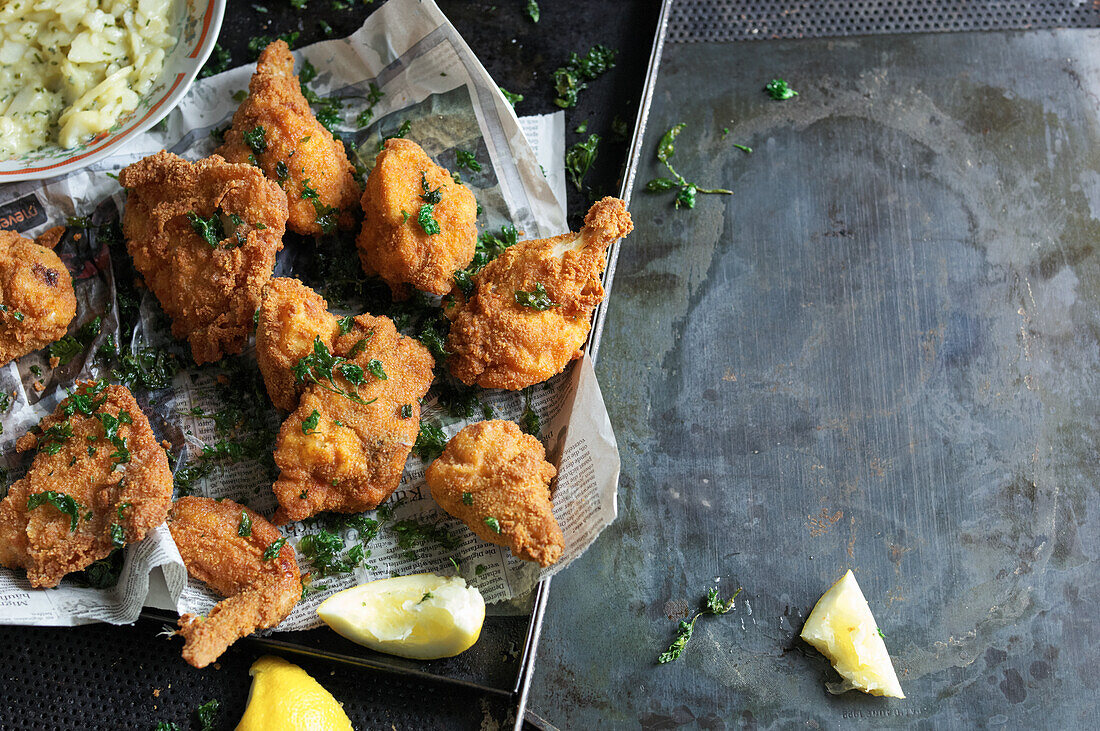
x=283 y=697
x=422 y=616
x=842 y=629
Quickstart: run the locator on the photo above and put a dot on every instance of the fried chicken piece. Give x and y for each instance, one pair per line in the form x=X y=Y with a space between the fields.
x=37 y=302
x=209 y=285
x=259 y=575
x=99 y=462
x=291 y=316
x=275 y=126
x=347 y=454
x=406 y=191
x=496 y=342
x=496 y=480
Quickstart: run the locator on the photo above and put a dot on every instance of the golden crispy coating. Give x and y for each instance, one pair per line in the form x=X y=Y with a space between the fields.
x=120 y=494
x=393 y=244
x=351 y=458
x=36 y=294
x=261 y=591
x=291 y=316
x=492 y=471
x=498 y=343
x=293 y=137
x=211 y=293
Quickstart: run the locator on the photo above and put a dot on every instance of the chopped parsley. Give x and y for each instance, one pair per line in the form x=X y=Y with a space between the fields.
x=529 y=422
x=257 y=44
x=569 y=80
x=712 y=605
x=321 y=365
x=256 y=139
x=494 y=524
x=467 y=498
x=309 y=424
x=374 y=366
x=427 y=220
x=532 y=10
x=273 y=550
x=71 y=346
x=579 y=158
x=512 y=99
x=744 y=148
x=282 y=172
x=65 y=503
x=466 y=159
x=780 y=90
x=207 y=714
x=57 y=434
x=537 y=299
x=308 y=191
x=209 y=229
x=117 y=535
x=244 y=527
x=406 y=411
x=430 y=441
x=345 y=324
x=374 y=95
x=685 y=191
x=218 y=62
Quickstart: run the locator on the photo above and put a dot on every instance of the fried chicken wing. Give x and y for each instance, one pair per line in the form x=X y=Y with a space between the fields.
x=36 y=294
x=291 y=316
x=258 y=575
x=496 y=480
x=498 y=342
x=275 y=127
x=406 y=197
x=99 y=481
x=204 y=237
x=344 y=447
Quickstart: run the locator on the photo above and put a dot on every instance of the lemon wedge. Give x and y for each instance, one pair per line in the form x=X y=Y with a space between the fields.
x=283 y=697
x=842 y=629
x=422 y=616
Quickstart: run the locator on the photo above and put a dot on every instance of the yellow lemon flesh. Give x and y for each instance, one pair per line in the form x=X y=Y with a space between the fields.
x=422 y=616
x=283 y=697
x=842 y=628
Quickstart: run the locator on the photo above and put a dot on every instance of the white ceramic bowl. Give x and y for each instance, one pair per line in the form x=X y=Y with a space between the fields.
x=197 y=30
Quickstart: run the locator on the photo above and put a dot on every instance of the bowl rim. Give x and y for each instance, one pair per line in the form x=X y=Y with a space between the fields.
x=211 y=28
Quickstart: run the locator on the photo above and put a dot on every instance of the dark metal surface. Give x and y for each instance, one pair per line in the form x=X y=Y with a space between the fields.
x=881 y=354
x=105 y=677
x=705 y=21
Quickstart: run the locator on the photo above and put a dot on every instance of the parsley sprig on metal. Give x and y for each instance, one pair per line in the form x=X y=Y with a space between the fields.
x=322 y=367
x=712 y=605
x=579 y=158
x=685 y=191
x=780 y=90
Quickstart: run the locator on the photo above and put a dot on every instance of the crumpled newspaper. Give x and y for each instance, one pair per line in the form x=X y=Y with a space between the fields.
x=429 y=77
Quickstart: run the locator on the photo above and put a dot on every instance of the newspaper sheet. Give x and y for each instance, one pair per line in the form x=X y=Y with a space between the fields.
x=429 y=77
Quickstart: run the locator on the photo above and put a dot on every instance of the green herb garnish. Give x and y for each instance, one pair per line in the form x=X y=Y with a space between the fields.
x=210 y=229
x=50 y=442
x=537 y=299
x=685 y=191
x=430 y=441
x=218 y=62
x=256 y=139
x=529 y=422
x=321 y=365
x=512 y=99
x=273 y=550
x=406 y=411
x=579 y=158
x=207 y=714
x=65 y=503
x=467 y=498
x=309 y=424
x=466 y=159
x=712 y=605
x=427 y=220
x=244 y=527
x=780 y=90
x=570 y=79
x=494 y=524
